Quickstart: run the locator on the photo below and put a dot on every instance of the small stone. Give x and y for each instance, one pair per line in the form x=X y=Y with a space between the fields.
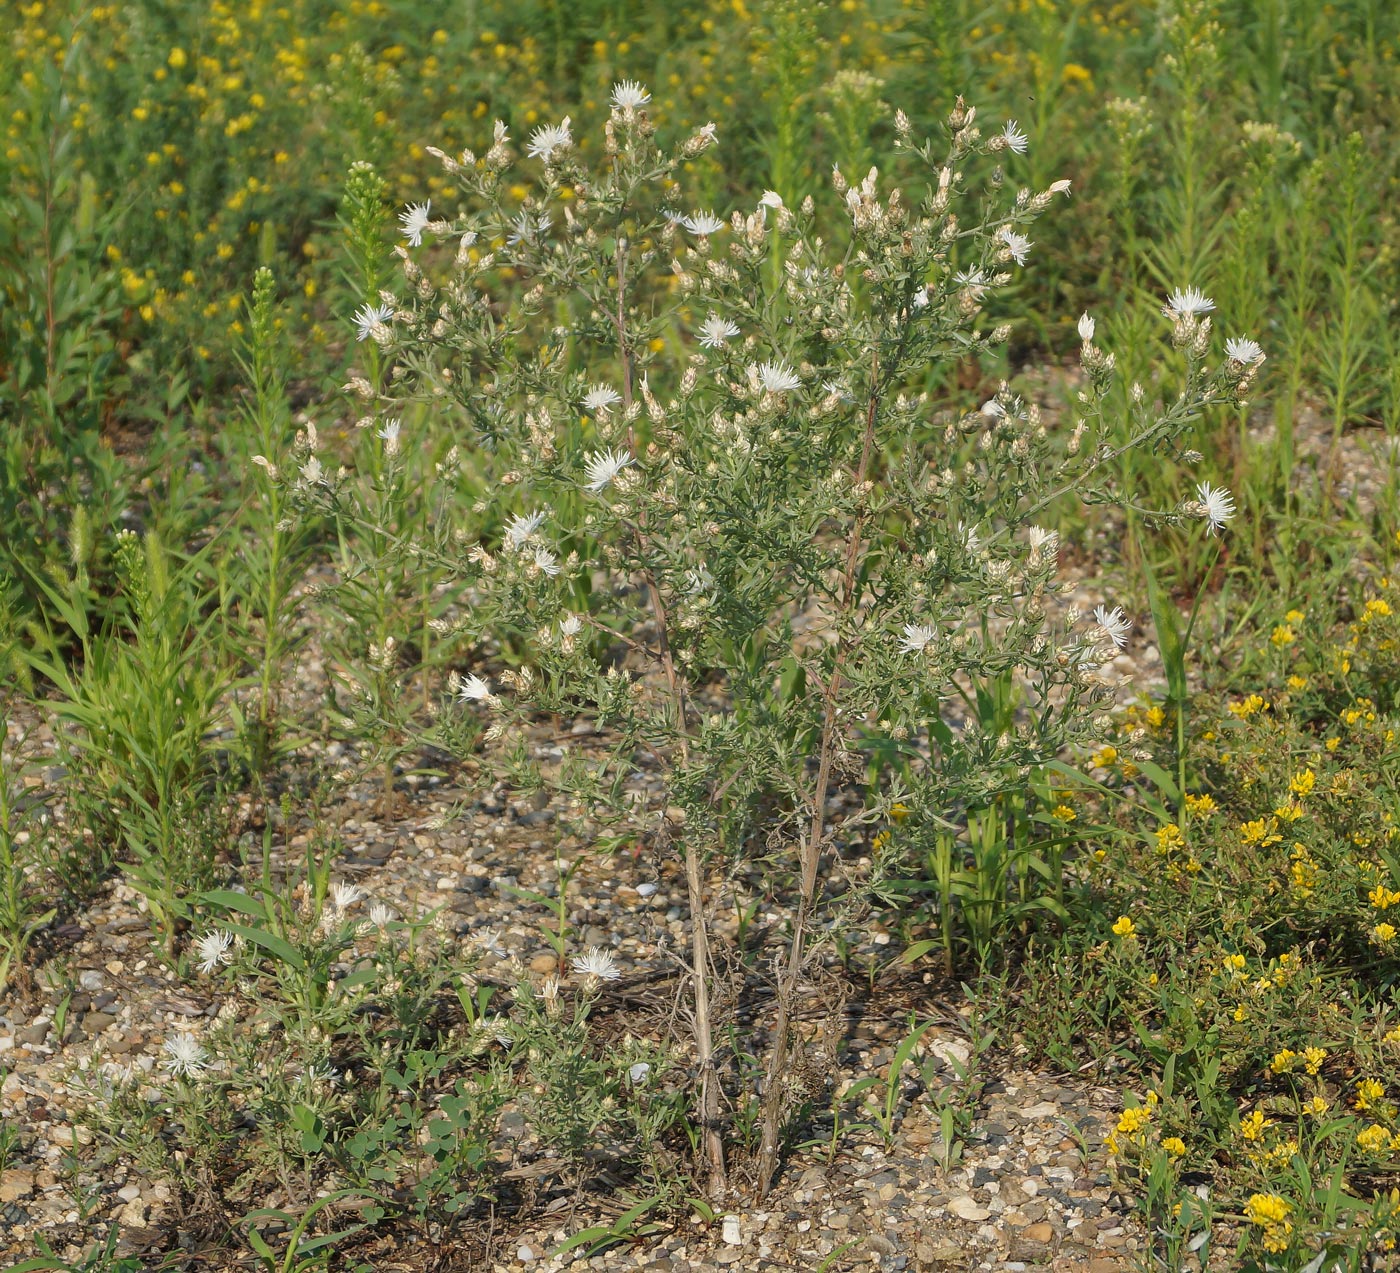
x=968 y=1208
x=16 y=1183
x=1041 y=1232
x=129 y=1193
x=544 y=964
x=90 y=979
x=730 y=1232
x=524 y=1254
x=95 y=1022
x=133 y=1215
x=113 y=966
x=34 y=1035
x=1044 y=1109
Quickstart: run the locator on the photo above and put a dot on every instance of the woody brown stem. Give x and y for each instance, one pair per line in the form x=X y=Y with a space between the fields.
x=707 y=1101
x=816 y=833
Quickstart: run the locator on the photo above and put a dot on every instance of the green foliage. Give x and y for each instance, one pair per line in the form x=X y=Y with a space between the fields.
x=138 y=716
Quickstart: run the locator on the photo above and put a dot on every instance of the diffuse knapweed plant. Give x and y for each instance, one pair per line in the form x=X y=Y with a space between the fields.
x=713 y=488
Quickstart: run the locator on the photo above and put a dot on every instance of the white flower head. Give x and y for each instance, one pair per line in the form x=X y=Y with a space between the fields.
x=1016 y=141
x=381 y=915
x=1114 y=624
x=1218 y=503
x=1042 y=540
x=547 y=141
x=714 y=331
x=1086 y=328
x=1187 y=302
x=570 y=625
x=368 y=317
x=344 y=896
x=993 y=409
x=474 y=690
x=703 y=223
x=638 y=1074
x=771 y=199
x=185 y=1056
x=389 y=433
x=602 y=467
x=415 y=221
x=1242 y=350
x=546 y=561
x=776 y=377
x=520 y=528
x=629 y=95
x=1017 y=244
x=597 y=963
x=601 y=399
x=213 y=950
x=917 y=638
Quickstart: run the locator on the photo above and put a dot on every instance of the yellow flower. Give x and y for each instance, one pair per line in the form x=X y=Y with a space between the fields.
x=1103 y=758
x=1284 y=1062
x=1174 y=1145
x=1383 y=898
x=1124 y=927
x=1313 y=1059
x=899 y=812
x=1257 y=831
x=1200 y=805
x=1283 y=635
x=1383 y=934
x=1248 y=707
x=1317 y=1107
x=1064 y=813
x=1368 y=1092
x=1332 y=743
x=1297 y=682
x=1156 y=717
x=1303 y=782
x=1270 y=1213
x=1373 y=1139
x=1293 y=616
x=1134 y=1120
x=1267 y=1208
x=1169 y=838
x=177 y=57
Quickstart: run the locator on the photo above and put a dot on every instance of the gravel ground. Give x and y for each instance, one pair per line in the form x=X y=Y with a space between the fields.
x=1032 y=1188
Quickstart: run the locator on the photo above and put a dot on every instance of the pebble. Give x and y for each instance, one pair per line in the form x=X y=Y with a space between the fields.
x=967 y=1207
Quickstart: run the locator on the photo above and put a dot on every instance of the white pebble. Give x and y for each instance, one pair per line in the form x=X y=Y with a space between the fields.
x=731 y=1233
